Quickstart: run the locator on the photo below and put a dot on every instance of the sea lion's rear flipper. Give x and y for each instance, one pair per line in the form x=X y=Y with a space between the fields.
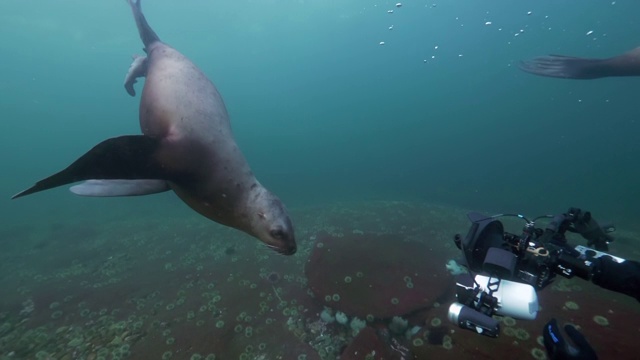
x=124 y=157
x=147 y=35
x=566 y=67
x=109 y=188
x=137 y=69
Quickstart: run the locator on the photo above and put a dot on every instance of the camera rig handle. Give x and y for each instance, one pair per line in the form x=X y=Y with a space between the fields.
x=504 y=269
x=541 y=253
x=577 y=221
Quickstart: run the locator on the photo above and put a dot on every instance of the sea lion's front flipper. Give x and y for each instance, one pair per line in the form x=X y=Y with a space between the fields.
x=109 y=188
x=124 y=157
x=137 y=69
x=566 y=67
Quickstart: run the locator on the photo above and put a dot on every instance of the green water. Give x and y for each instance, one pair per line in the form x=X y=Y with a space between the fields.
x=324 y=113
x=439 y=114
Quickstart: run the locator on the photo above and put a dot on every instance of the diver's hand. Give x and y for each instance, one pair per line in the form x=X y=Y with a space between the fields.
x=559 y=349
x=589 y=228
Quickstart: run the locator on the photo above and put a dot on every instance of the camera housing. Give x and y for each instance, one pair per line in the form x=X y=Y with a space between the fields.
x=506 y=269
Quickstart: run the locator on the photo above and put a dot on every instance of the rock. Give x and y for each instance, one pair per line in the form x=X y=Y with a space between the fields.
x=376 y=275
x=367 y=345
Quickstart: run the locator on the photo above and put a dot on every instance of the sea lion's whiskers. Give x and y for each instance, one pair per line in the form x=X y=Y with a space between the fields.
x=274 y=248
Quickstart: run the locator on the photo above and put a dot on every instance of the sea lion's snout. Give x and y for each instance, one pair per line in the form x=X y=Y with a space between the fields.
x=280 y=236
x=283 y=240
x=290 y=251
x=272 y=224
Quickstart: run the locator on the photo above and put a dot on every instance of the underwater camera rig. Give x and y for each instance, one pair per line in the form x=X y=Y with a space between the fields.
x=504 y=270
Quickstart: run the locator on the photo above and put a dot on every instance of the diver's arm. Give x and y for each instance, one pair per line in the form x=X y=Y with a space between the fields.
x=621 y=277
x=569 y=67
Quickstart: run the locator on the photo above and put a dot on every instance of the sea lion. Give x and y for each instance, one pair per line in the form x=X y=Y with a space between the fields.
x=567 y=67
x=187 y=146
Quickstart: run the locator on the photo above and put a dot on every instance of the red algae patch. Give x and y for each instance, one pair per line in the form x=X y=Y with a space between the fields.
x=379 y=275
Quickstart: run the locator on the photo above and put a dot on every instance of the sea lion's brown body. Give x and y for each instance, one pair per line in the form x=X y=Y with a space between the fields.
x=567 y=67
x=182 y=107
x=187 y=146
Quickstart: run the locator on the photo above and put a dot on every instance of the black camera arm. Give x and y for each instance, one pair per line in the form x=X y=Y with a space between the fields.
x=577 y=221
x=565 y=259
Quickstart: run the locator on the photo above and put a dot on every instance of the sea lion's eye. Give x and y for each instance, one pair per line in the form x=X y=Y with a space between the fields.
x=277 y=234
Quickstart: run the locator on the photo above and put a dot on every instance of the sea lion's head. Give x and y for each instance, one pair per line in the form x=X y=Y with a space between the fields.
x=270 y=222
